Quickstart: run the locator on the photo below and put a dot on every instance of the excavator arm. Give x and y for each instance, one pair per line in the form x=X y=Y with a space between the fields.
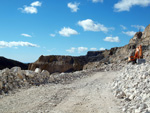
x=138 y=54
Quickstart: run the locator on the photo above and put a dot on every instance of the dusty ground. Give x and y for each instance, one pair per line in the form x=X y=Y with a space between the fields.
x=87 y=95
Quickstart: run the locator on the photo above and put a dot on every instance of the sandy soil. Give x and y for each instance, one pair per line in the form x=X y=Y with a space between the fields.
x=87 y=95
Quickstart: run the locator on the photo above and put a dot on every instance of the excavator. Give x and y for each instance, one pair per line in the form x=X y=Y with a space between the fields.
x=137 y=56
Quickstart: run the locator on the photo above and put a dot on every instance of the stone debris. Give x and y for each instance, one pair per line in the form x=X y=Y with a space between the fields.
x=15 y=78
x=38 y=70
x=133 y=86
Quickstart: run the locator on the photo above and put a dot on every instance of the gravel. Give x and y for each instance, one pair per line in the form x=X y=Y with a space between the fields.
x=133 y=86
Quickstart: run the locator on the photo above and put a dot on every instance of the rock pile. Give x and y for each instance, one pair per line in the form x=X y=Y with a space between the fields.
x=15 y=78
x=104 y=66
x=133 y=86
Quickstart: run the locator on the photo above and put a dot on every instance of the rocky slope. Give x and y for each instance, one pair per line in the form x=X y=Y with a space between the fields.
x=133 y=86
x=8 y=63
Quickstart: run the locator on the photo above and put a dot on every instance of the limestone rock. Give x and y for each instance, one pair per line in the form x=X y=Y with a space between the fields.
x=30 y=73
x=134 y=82
x=1 y=85
x=120 y=94
x=38 y=70
x=45 y=72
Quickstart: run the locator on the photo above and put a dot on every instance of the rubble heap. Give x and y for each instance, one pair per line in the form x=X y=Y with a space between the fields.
x=133 y=86
x=15 y=78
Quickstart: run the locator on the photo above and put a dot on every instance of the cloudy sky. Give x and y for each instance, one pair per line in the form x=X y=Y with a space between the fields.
x=30 y=28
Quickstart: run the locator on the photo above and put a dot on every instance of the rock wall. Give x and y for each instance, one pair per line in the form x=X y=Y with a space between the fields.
x=58 y=63
x=93 y=59
x=114 y=55
x=146 y=35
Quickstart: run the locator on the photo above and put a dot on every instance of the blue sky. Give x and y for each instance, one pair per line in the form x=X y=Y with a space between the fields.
x=30 y=28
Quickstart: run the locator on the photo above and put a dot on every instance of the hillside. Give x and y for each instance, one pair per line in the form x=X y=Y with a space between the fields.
x=9 y=63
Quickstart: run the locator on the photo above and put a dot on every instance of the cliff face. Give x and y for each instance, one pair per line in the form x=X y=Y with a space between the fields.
x=95 y=58
x=142 y=38
x=146 y=35
x=69 y=64
x=59 y=63
x=8 y=63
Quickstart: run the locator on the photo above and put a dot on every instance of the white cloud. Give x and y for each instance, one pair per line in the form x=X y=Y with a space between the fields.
x=90 y=25
x=67 y=32
x=32 y=9
x=29 y=9
x=93 y=49
x=95 y=1
x=139 y=27
x=123 y=27
x=129 y=33
x=36 y=4
x=102 y=48
x=78 y=49
x=82 y=49
x=26 y=35
x=52 y=35
x=72 y=50
x=73 y=6
x=125 y=5
x=112 y=39
x=4 y=44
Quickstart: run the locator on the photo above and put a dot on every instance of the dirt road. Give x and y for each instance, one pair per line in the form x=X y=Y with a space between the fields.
x=87 y=95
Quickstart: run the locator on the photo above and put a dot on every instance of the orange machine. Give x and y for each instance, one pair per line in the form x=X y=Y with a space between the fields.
x=138 y=54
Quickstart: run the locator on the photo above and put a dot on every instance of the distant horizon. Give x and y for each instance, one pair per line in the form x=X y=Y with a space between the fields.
x=33 y=28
